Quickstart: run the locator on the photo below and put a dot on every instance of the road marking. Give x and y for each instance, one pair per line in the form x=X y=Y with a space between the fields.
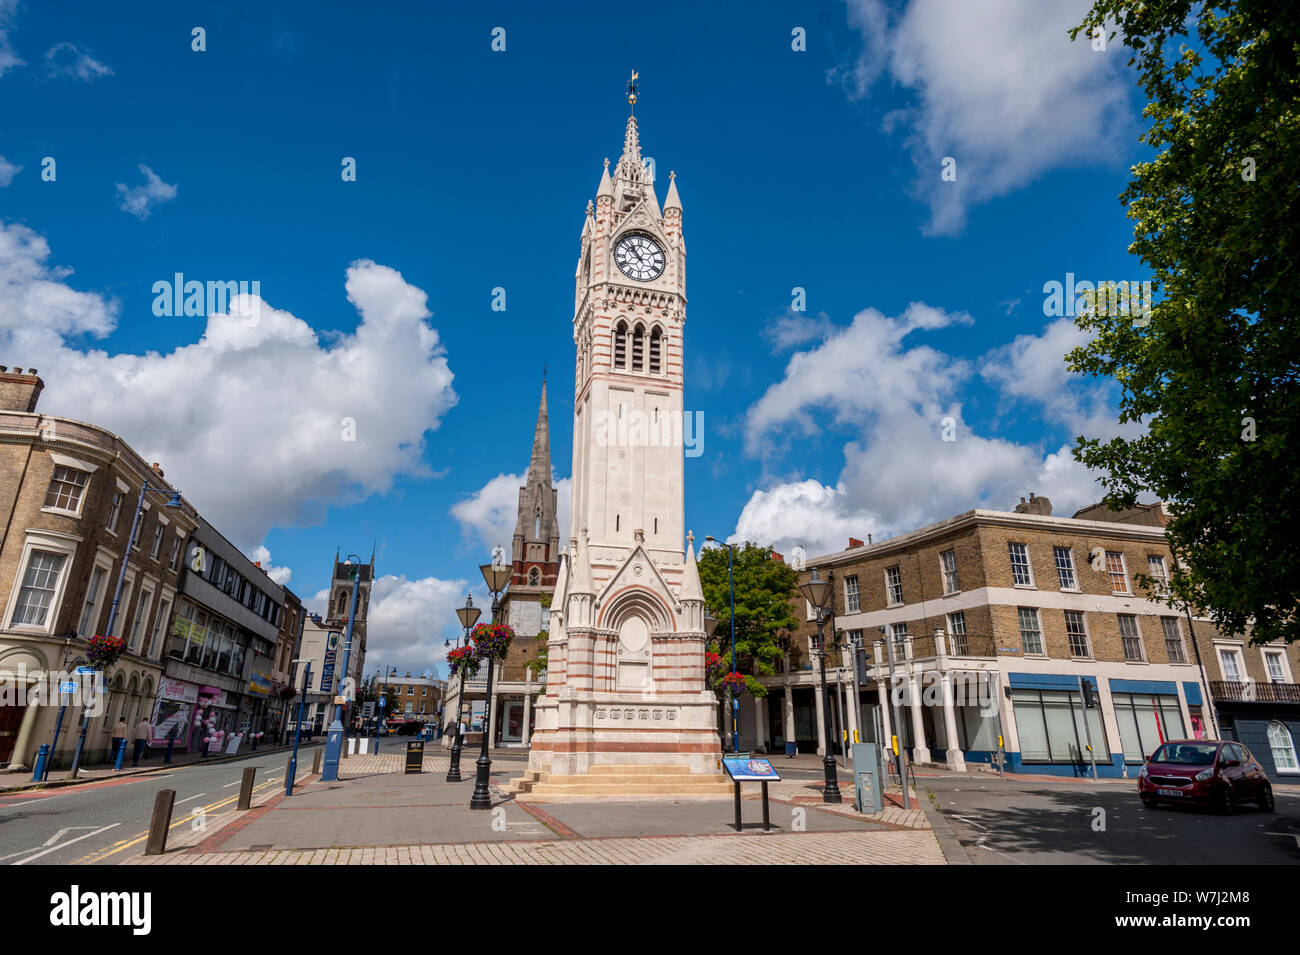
x=235 y=783
x=969 y=822
x=100 y=854
x=1292 y=834
x=65 y=844
x=188 y=798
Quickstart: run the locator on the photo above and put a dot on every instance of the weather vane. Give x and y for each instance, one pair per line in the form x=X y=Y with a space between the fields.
x=631 y=89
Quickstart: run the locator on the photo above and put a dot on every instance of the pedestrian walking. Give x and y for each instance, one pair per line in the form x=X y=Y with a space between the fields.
x=143 y=733
x=119 y=737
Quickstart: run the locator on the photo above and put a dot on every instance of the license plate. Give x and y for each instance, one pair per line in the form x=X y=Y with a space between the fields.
x=1170 y=792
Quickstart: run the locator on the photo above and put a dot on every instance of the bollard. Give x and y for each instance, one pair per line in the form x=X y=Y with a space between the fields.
x=38 y=771
x=288 y=766
x=119 y=756
x=315 y=764
x=160 y=823
x=246 y=788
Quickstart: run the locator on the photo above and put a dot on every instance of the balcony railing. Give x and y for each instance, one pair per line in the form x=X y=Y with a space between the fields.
x=1255 y=692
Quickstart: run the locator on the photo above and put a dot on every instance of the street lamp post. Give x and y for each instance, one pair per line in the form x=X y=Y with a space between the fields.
x=468 y=616
x=334 y=739
x=818 y=594
x=496 y=576
x=173 y=502
x=733 y=705
x=297 y=731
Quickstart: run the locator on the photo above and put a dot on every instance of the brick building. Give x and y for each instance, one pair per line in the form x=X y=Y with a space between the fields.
x=1001 y=614
x=412 y=697
x=68 y=494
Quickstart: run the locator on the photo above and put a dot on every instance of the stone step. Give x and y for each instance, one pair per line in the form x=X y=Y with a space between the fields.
x=630 y=779
x=720 y=788
x=657 y=769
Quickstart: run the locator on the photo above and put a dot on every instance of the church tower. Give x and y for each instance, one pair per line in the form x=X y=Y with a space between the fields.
x=336 y=616
x=625 y=688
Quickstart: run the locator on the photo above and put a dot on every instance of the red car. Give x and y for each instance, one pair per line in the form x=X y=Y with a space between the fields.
x=1207 y=772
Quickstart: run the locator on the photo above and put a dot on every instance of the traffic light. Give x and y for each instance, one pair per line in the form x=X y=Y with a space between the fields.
x=860 y=658
x=1090 y=699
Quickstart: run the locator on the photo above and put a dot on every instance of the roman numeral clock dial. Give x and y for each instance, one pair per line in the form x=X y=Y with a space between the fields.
x=639 y=257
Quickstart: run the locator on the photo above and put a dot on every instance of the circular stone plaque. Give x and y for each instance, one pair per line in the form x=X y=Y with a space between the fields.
x=633 y=634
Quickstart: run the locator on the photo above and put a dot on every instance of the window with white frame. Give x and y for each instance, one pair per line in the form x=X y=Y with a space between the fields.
x=1020 y=572
x=957 y=630
x=66 y=488
x=1282 y=746
x=176 y=554
x=139 y=527
x=898 y=631
x=1077 y=632
x=1031 y=631
x=141 y=619
x=1158 y=573
x=894 y=585
x=1173 y=639
x=1274 y=666
x=40 y=584
x=1131 y=636
x=90 y=612
x=851 y=604
x=1230 y=664
x=948 y=561
x=160 y=621
x=1065 y=568
x=1117 y=571
x=114 y=511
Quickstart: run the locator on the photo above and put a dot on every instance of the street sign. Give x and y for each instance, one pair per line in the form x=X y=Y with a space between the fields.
x=85 y=669
x=68 y=686
x=383 y=702
x=368 y=709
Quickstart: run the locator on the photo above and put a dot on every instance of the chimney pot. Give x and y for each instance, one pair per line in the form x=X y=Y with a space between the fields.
x=1031 y=495
x=4 y=367
x=31 y=371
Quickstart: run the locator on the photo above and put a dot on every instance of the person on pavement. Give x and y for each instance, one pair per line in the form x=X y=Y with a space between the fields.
x=143 y=733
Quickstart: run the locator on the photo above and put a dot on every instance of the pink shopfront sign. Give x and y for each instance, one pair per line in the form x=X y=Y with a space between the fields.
x=178 y=690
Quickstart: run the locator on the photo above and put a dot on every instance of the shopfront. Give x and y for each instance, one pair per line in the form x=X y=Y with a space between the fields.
x=1055 y=729
x=173 y=712
x=1147 y=713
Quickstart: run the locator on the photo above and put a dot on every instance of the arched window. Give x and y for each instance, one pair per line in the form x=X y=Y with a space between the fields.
x=343 y=602
x=533 y=577
x=1283 y=747
x=638 y=347
x=620 y=345
x=655 y=339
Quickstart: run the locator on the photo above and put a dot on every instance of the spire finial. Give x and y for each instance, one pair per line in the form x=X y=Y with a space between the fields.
x=631 y=91
x=690 y=537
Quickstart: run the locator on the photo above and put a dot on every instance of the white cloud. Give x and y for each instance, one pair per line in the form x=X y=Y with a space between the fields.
x=260 y=555
x=7 y=172
x=794 y=329
x=8 y=58
x=249 y=421
x=897 y=399
x=140 y=200
x=998 y=86
x=67 y=59
x=409 y=620
x=488 y=516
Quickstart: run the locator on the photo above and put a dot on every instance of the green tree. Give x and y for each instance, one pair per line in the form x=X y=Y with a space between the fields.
x=764 y=588
x=1213 y=373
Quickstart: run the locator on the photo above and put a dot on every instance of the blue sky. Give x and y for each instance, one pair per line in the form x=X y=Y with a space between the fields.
x=816 y=168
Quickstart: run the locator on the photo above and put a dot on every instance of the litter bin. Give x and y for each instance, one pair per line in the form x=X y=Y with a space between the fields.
x=791 y=747
x=415 y=756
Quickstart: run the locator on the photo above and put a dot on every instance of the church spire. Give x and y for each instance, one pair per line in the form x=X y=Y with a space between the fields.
x=539 y=465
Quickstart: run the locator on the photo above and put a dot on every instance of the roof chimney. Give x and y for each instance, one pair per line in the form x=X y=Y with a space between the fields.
x=1035 y=505
x=18 y=391
x=868 y=538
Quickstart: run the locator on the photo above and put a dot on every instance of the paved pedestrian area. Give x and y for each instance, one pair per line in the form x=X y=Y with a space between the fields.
x=376 y=814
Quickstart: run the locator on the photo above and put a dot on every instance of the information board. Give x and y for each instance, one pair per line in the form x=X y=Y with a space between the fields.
x=747 y=769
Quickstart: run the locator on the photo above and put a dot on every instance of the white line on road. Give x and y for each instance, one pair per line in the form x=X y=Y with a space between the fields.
x=187 y=799
x=235 y=783
x=65 y=844
x=969 y=822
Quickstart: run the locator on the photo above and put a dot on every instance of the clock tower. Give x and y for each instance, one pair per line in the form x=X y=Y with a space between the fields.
x=626 y=707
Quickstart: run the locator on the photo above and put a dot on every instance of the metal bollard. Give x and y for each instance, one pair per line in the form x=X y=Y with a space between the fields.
x=246 y=788
x=119 y=756
x=160 y=823
x=315 y=764
x=38 y=771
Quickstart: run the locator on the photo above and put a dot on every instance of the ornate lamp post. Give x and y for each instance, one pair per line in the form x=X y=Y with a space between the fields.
x=334 y=740
x=818 y=594
x=468 y=615
x=497 y=576
x=733 y=705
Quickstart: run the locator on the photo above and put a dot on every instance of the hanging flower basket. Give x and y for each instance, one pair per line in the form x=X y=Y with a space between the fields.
x=463 y=657
x=491 y=641
x=288 y=693
x=712 y=662
x=734 y=682
x=102 y=652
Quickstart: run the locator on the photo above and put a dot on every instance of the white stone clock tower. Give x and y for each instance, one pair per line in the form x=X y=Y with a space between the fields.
x=626 y=707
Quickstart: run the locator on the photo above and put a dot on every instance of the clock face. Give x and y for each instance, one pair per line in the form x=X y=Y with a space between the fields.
x=639 y=257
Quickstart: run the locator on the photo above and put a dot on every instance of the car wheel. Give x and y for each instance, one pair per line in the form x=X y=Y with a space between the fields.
x=1223 y=802
x=1149 y=803
x=1266 y=798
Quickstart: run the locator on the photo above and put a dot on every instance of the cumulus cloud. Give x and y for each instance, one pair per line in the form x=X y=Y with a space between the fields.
x=998 y=86
x=488 y=515
x=258 y=422
x=8 y=58
x=67 y=59
x=140 y=200
x=794 y=329
x=408 y=620
x=7 y=172
x=898 y=400
x=260 y=555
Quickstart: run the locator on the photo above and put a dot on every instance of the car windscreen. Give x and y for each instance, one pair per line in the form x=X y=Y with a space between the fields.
x=1186 y=754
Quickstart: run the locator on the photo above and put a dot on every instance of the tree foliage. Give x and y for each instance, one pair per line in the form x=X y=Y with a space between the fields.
x=764 y=588
x=1213 y=374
